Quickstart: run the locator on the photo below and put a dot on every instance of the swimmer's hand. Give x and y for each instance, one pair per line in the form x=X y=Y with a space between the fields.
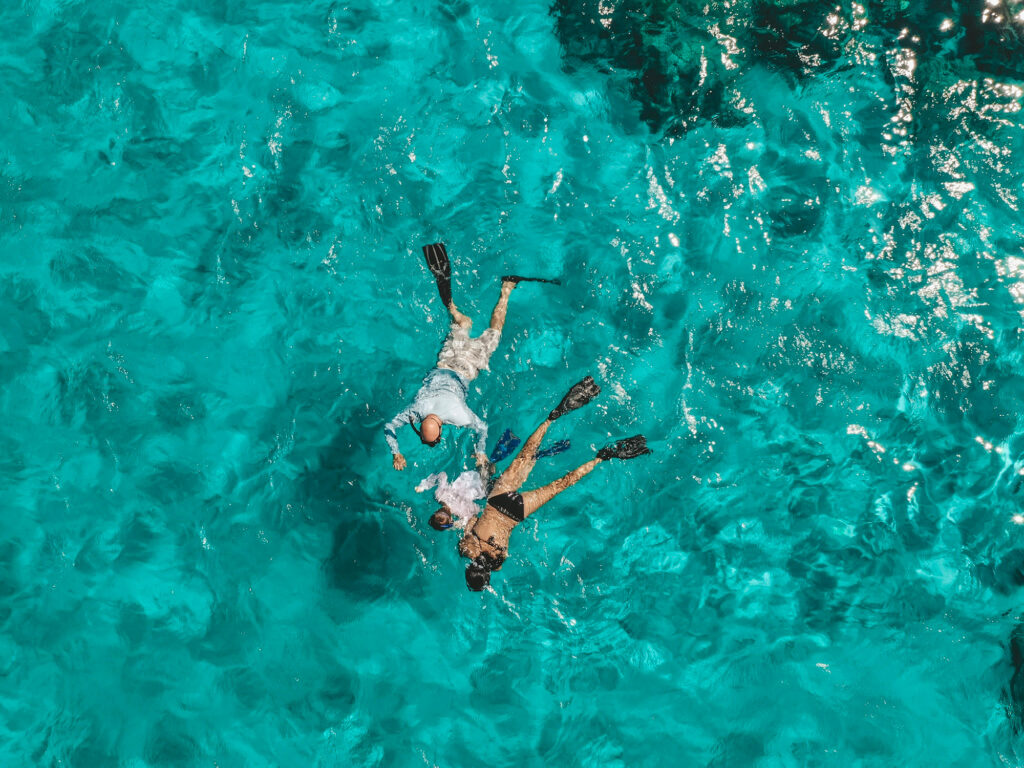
x=481 y=460
x=398 y=461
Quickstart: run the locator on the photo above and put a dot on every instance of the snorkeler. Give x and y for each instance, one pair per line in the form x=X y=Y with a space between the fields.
x=442 y=397
x=485 y=539
x=460 y=496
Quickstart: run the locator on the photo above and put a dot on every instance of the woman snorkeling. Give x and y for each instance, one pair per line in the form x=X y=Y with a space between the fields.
x=485 y=538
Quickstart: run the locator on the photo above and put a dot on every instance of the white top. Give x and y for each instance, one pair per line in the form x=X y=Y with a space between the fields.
x=443 y=393
x=444 y=389
x=460 y=496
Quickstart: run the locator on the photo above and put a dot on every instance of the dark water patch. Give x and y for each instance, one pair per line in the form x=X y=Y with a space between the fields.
x=67 y=50
x=28 y=322
x=86 y=270
x=737 y=749
x=171 y=742
x=789 y=36
x=993 y=36
x=1014 y=693
x=665 y=50
x=161 y=154
x=984 y=34
x=371 y=554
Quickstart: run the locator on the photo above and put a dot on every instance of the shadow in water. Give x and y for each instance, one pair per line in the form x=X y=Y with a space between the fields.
x=374 y=550
x=1014 y=695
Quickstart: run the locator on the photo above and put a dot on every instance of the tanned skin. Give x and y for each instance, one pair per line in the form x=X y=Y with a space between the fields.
x=430 y=427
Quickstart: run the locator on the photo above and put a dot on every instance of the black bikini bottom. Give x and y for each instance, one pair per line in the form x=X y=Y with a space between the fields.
x=510 y=505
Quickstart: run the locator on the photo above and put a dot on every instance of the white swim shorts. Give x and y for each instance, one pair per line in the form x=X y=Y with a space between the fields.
x=466 y=356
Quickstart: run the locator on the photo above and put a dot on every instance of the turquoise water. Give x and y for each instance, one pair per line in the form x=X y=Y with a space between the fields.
x=790 y=245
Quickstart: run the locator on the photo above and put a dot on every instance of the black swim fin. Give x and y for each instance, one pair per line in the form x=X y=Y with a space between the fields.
x=627 y=448
x=437 y=262
x=521 y=279
x=581 y=393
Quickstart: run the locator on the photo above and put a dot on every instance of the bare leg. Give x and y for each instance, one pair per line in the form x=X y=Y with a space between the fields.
x=513 y=477
x=457 y=317
x=498 y=315
x=534 y=500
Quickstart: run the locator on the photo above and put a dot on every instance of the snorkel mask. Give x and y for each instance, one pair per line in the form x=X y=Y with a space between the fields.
x=442 y=520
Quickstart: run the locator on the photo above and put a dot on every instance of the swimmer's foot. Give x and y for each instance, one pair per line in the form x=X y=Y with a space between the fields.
x=580 y=394
x=515 y=279
x=437 y=262
x=627 y=448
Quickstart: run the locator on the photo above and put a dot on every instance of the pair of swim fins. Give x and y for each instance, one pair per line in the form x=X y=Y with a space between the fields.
x=581 y=393
x=508 y=442
x=440 y=267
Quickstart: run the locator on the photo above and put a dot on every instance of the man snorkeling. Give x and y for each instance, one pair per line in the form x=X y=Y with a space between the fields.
x=442 y=397
x=485 y=538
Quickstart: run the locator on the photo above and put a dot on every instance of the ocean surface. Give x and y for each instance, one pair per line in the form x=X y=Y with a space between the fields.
x=792 y=253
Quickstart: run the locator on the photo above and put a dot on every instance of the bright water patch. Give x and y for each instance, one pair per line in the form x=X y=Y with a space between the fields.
x=790 y=246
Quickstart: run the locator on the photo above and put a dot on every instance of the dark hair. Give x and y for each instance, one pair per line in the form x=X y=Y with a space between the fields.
x=478 y=576
x=442 y=520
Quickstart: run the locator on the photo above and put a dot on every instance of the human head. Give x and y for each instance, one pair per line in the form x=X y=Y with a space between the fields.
x=478 y=575
x=429 y=430
x=442 y=520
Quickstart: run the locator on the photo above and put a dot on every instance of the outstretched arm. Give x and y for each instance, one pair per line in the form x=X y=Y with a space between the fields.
x=432 y=481
x=479 y=426
x=391 y=436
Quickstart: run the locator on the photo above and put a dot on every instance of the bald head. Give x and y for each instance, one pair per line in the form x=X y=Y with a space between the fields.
x=430 y=429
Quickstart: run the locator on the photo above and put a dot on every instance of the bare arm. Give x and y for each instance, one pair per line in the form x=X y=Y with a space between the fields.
x=391 y=435
x=479 y=426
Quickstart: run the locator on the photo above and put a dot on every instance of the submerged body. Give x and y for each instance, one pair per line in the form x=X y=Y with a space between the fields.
x=442 y=397
x=485 y=540
x=488 y=535
x=443 y=394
